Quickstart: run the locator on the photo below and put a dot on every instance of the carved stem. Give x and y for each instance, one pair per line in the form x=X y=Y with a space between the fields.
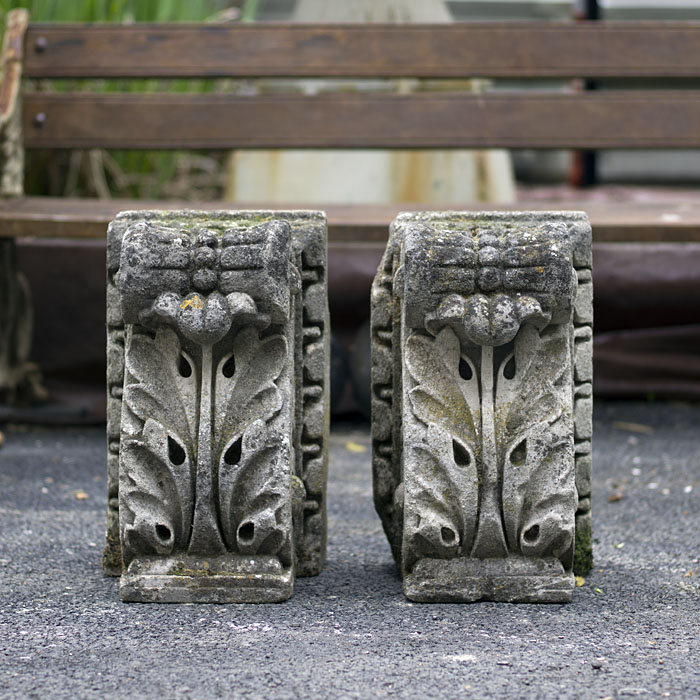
x=206 y=538
x=490 y=540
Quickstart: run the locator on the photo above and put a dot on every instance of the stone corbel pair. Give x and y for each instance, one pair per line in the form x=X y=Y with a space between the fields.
x=218 y=404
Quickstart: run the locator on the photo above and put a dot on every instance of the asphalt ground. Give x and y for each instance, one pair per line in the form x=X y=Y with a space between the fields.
x=633 y=629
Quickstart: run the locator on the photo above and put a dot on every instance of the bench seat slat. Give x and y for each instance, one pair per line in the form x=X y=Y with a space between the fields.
x=483 y=49
x=619 y=119
x=631 y=221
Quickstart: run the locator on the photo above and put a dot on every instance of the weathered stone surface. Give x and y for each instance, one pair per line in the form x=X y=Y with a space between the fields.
x=217 y=434
x=475 y=422
x=583 y=477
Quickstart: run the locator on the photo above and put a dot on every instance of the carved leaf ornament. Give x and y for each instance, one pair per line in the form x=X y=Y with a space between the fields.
x=178 y=456
x=251 y=499
x=158 y=464
x=493 y=477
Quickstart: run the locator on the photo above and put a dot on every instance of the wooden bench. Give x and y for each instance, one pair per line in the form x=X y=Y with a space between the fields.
x=627 y=119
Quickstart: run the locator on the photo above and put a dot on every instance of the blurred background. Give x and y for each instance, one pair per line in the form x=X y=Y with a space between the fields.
x=647 y=304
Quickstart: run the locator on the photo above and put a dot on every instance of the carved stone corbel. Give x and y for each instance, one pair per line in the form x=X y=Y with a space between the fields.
x=481 y=344
x=217 y=395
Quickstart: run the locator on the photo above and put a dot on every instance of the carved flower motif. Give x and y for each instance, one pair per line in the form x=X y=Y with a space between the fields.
x=487 y=319
x=205 y=319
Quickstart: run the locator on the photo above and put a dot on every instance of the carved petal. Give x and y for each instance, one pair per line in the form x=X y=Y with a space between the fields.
x=488 y=319
x=155 y=494
x=205 y=321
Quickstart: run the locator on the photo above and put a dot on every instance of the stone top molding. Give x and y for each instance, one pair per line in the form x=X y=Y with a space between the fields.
x=499 y=269
x=495 y=277
x=308 y=227
x=202 y=262
x=576 y=223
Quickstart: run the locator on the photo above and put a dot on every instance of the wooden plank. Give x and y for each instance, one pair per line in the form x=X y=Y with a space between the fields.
x=483 y=49
x=619 y=119
x=367 y=225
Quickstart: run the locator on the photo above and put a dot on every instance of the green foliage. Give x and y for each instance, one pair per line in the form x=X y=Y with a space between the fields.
x=117 y=10
x=143 y=174
x=250 y=10
x=583 y=550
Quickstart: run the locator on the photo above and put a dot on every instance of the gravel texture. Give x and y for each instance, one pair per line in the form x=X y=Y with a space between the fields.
x=633 y=629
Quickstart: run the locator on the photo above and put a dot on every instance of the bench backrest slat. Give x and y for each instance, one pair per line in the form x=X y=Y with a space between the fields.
x=535 y=119
x=483 y=49
x=584 y=120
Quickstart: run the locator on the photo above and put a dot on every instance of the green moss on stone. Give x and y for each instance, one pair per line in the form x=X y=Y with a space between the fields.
x=182 y=570
x=583 y=550
x=112 y=557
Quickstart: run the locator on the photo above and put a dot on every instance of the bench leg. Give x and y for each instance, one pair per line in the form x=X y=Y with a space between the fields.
x=20 y=380
x=481 y=414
